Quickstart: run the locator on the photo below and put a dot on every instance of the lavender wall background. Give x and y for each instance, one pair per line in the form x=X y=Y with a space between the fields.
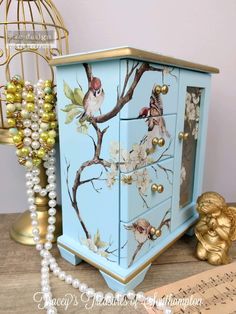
x=200 y=31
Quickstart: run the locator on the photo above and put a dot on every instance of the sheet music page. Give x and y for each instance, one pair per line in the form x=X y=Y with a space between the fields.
x=211 y=292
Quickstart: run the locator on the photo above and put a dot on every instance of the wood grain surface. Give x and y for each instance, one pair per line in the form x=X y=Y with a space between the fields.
x=20 y=275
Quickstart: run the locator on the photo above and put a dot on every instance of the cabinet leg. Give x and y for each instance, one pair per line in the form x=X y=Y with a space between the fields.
x=190 y=232
x=70 y=257
x=124 y=287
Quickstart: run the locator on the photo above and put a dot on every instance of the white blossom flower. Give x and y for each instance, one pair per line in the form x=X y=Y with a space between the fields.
x=142 y=180
x=114 y=150
x=138 y=156
x=190 y=111
x=195 y=131
x=182 y=175
x=195 y=98
x=90 y=244
x=111 y=176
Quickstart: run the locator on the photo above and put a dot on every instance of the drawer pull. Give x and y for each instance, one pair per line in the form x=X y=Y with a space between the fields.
x=157 y=188
x=158 y=141
x=155 y=232
x=161 y=89
x=183 y=136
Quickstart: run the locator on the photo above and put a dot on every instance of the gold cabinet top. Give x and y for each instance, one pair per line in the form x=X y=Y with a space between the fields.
x=130 y=53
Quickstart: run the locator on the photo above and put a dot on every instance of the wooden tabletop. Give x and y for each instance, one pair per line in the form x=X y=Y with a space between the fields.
x=20 y=274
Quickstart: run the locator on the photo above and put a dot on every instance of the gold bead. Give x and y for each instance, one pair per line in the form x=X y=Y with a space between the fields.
x=158 y=233
x=10 y=97
x=152 y=230
x=164 y=89
x=18 y=97
x=52 y=116
x=51 y=141
x=45 y=117
x=30 y=97
x=48 y=83
x=53 y=125
x=44 y=136
x=47 y=107
x=49 y=98
x=25 y=151
x=11 y=122
x=17 y=138
x=11 y=88
x=158 y=89
x=36 y=161
x=30 y=106
x=21 y=133
x=41 y=153
x=18 y=88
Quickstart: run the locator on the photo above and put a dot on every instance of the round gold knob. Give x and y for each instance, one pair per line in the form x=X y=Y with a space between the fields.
x=153 y=230
x=164 y=89
x=183 y=136
x=158 y=89
x=157 y=188
x=158 y=141
x=158 y=233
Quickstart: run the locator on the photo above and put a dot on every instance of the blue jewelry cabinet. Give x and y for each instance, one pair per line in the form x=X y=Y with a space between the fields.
x=132 y=130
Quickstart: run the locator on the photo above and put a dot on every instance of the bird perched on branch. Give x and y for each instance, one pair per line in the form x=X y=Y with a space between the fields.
x=93 y=99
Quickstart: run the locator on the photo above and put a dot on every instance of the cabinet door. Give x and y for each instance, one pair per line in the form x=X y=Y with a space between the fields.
x=190 y=143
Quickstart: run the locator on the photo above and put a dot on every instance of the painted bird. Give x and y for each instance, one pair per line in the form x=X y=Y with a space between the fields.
x=93 y=99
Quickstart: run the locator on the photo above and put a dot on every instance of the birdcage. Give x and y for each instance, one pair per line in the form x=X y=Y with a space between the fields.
x=21 y=20
x=29 y=57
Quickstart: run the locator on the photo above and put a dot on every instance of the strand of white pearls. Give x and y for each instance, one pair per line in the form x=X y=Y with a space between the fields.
x=48 y=262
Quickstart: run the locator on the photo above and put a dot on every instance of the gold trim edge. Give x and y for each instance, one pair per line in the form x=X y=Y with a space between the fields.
x=5 y=137
x=125 y=280
x=134 y=53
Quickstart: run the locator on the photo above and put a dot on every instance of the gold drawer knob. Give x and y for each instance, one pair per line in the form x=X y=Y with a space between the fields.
x=157 y=188
x=155 y=232
x=161 y=89
x=158 y=141
x=183 y=136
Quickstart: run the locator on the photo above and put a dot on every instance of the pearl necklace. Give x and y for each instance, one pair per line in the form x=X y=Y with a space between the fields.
x=33 y=124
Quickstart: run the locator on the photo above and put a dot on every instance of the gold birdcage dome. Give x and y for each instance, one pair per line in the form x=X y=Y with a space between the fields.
x=29 y=60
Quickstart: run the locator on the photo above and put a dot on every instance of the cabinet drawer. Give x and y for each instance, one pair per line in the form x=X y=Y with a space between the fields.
x=137 y=188
x=138 y=237
x=137 y=141
x=143 y=94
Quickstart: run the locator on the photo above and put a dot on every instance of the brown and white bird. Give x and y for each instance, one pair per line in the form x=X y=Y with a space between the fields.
x=155 y=120
x=94 y=98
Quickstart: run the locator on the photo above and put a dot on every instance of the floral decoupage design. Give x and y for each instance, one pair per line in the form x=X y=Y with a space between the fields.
x=191 y=125
x=85 y=110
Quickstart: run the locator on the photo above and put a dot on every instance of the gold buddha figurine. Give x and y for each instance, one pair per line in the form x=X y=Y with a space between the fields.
x=216 y=228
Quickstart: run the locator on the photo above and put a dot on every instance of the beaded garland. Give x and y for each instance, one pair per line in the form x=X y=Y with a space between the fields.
x=32 y=123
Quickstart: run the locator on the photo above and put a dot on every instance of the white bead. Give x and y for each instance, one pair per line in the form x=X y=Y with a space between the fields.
x=29 y=164
x=52 y=152
x=31 y=200
x=82 y=287
x=27 y=123
x=62 y=275
x=109 y=297
x=90 y=293
x=33 y=215
x=52 y=260
x=36 y=239
x=37 y=188
x=52 y=310
x=46 y=289
x=51 y=178
x=119 y=296
x=52 y=160
x=32 y=208
x=53 y=266
x=167 y=311
x=34 y=126
x=150 y=301
x=51 y=220
x=43 y=192
x=36 y=172
x=44 y=282
x=44 y=126
x=35 y=231
x=35 y=136
x=52 y=203
x=44 y=269
x=27 y=132
x=51 y=187
x=28 y=175
x=25 y=115
x=42 y=253
x=44 y=262
x=49 y=236
x=35 y=144
x=51 y=228
x=68 y=279
x=130 y=295
x=36 y=180
x=52 y=211
x=99 y=296
x=29 y=184
x=30 y=192
x=39 y=246
x=34 y=117
x=27 y=141
x=140 y=296
x=56 y=271
x=34 y=223
x=75 y=283
x=48 y=245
